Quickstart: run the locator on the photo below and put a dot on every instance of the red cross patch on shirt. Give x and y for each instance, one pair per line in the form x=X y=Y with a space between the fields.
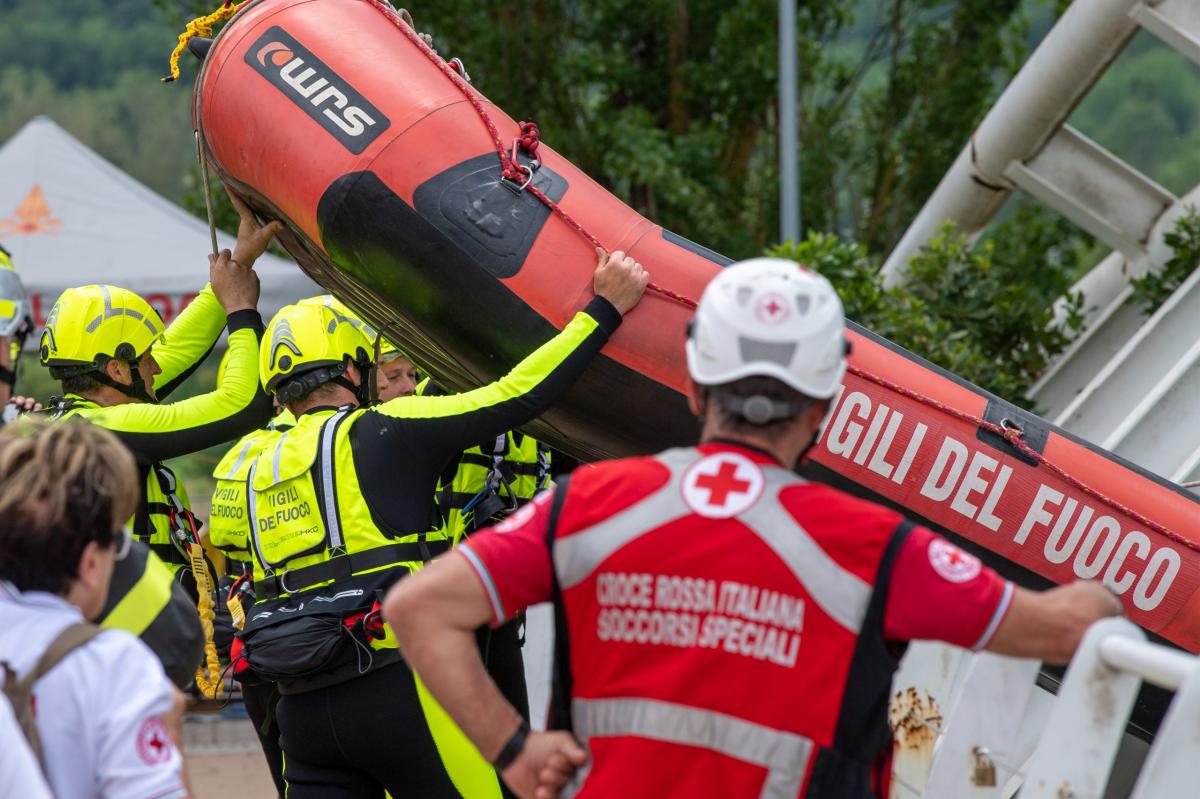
x=722 y=485
x=951 y=563
x=153 y=742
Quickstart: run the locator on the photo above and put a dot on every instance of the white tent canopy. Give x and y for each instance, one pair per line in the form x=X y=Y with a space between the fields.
x=69 y=218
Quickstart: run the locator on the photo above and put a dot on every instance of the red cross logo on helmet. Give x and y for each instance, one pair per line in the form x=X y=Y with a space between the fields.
x=722 y=485
x=772 y=308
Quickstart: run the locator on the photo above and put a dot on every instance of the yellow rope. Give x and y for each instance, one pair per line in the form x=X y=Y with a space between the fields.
x=200 y=26
x=209 y=684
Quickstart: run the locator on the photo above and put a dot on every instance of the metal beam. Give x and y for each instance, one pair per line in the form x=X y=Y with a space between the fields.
x=1175 y=22
x=1094 y=189
x=1065 y=66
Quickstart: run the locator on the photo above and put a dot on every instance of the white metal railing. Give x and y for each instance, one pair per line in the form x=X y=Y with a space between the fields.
x=998 y=739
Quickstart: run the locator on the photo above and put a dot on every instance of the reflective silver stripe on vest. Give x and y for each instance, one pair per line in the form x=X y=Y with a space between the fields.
x=333 y=524
x=578 y=555
x=252 y=506
x=241 y=458
x=276 y=458
x=843 y=595
x=840 y=594
x=785 y=755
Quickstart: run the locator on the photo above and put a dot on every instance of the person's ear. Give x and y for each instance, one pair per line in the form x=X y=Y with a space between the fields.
x=353 y=374
x=118 y=371
x=815 y=413
x=92 y=565
x=695 y=398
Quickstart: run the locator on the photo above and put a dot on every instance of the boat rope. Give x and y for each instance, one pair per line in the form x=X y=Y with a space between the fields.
x=529 y=138
x=200 y=26
x=510 y=167
x=1014 y=435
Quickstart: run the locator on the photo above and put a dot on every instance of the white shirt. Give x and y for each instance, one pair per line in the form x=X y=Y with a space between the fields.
x=20 y=774
x=98 y=710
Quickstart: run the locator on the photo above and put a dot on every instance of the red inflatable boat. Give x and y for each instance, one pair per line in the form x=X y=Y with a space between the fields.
x=390 y=172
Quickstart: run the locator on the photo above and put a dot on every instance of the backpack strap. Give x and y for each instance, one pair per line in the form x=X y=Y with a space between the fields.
x=20 y=691
x=559 y=713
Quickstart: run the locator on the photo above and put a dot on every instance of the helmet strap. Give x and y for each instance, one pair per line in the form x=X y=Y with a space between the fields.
x=346 y=384
x=759 y=410
x=366 y=393
x=136 y=390
x=368 y=387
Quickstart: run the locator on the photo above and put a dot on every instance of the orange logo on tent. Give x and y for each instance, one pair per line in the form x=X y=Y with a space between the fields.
x=31 y=217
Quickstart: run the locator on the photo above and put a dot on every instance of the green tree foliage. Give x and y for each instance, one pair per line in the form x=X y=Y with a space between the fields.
x=672 y=103
x=976 y=311
x=93 y=65
x=1152 y=289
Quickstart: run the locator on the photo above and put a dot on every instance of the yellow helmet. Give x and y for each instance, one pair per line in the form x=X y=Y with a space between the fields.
x=387 y=350
x=308 y=344
x=88 y=325
x=14 y=301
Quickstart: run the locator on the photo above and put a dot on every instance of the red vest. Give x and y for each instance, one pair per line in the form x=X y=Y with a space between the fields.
x=724 y=627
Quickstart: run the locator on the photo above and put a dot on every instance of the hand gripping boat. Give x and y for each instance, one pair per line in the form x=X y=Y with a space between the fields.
x=419 y=202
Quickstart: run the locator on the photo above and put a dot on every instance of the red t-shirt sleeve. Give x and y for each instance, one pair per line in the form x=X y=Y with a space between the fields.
x=939 y=592
x=512 y=559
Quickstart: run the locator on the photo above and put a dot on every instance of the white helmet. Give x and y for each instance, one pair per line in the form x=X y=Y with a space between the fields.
x=769 y=317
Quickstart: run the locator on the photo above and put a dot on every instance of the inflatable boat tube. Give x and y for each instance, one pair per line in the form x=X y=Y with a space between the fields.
x=329 y=115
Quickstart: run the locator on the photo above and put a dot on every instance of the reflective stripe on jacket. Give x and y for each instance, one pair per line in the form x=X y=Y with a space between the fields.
x=715 y=644
x=488 y=485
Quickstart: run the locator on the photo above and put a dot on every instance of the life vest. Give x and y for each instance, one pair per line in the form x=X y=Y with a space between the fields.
x=163 y=508
x=292 y=498
x=228 y=525
x=485 y=486
x=721 y=629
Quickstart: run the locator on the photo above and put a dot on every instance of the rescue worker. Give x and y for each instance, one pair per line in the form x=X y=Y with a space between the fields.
x=235 y=594
x=16 y=324
x=117 y=364
x=338 y=509
x=398 y=371
x=726 y=628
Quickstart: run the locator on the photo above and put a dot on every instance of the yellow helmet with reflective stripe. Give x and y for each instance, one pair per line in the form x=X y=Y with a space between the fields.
x=88 y=325
x=387 y=350
x=14 y=301
x=308 y=344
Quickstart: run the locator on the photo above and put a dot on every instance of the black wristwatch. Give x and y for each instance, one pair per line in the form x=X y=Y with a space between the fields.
x=512 y=747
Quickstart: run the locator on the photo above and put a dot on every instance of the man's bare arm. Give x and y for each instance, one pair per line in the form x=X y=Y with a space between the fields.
x=1049 y=625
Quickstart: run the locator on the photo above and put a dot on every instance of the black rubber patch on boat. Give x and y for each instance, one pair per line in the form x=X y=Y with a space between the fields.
x=490 y=218
x=1034 y=431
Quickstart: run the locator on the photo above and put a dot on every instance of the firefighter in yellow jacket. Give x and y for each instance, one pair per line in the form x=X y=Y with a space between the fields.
x=117 y=363
x=338 y=508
